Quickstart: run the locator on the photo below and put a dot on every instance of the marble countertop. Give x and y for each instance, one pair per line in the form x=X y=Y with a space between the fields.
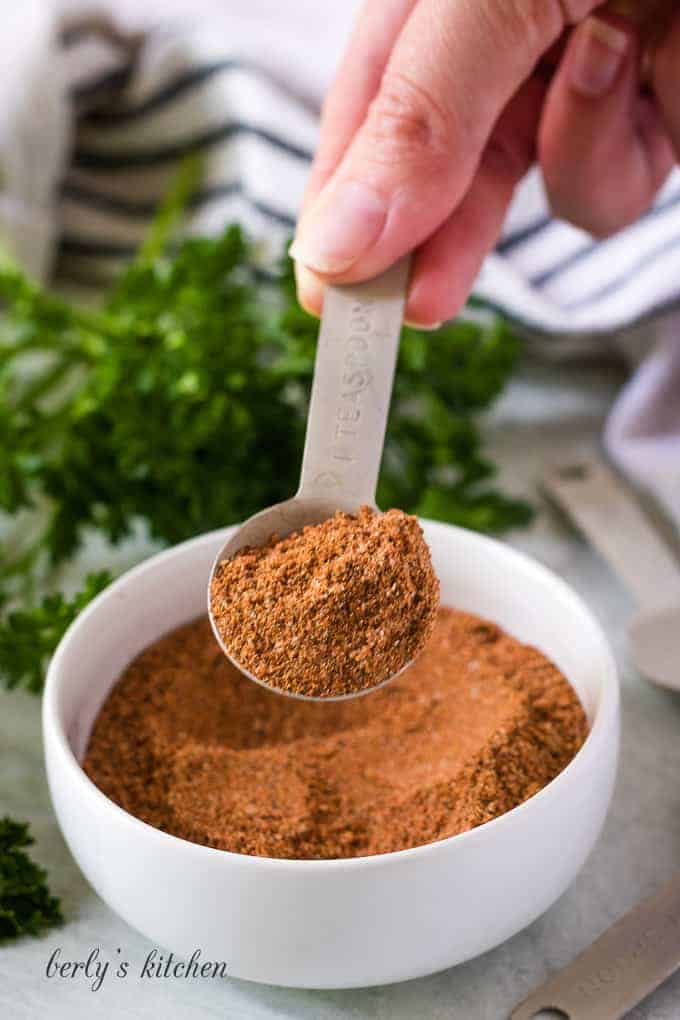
x=547 y=414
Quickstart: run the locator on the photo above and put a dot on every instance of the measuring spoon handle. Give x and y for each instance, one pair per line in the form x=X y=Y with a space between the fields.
x=353 y=376
x=621 y=968
x=611 y=518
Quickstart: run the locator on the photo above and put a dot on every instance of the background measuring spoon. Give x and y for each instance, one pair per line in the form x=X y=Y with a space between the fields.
x=608 y=514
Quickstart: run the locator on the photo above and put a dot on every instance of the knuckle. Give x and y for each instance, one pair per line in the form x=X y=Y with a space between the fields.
x=406 y=122
x=575 y=10
x=536 y=24
x=531 y=24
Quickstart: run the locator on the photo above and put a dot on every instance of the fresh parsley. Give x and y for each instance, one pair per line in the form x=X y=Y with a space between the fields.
x=26 y=906
x=29 y=636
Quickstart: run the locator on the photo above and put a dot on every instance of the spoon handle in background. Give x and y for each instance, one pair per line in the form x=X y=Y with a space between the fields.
x=627 y=962
x=353 y=376
x=610 y=517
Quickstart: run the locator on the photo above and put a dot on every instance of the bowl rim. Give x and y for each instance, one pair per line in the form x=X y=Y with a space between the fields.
x=606 y=713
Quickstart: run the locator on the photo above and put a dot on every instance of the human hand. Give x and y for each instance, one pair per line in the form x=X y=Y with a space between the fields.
x=439 y=109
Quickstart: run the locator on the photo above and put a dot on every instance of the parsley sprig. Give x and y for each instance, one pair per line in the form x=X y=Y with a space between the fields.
x=29 y=636
x=26 y=906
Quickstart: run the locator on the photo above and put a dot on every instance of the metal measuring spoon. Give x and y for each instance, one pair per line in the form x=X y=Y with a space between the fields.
x=351 y=390
x=611 y=518
x=632 y=958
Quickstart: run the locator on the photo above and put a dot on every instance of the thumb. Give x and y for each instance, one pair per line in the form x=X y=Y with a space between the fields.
x=454 y=67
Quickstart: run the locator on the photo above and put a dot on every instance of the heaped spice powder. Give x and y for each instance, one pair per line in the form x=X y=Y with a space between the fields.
x=473 y=728
x=334 y=609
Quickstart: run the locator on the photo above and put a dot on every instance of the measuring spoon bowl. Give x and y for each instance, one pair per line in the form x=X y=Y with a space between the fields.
x=281 y=520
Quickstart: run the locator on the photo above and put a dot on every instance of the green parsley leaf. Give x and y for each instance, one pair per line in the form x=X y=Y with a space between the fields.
x=26 y=906
x=28 y=637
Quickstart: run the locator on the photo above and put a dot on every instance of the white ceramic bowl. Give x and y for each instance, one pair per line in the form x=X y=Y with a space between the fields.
x=342 y=923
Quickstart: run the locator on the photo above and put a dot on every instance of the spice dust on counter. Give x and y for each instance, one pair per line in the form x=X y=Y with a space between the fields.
x=334 y=609
x=478 y=724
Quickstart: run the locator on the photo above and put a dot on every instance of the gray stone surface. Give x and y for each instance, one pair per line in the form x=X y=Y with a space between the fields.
x=548 y=413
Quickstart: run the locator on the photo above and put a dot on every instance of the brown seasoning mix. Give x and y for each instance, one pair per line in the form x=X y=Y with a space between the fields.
x=474 y=727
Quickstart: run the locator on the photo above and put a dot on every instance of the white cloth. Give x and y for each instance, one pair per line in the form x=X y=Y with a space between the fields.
x=242 y=81
x=34 y=133
x=643 y=430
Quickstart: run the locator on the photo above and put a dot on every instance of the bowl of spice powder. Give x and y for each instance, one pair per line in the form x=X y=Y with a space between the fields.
x=344 y=843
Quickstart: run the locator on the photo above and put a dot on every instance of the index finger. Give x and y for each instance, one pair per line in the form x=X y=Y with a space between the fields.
x=357 y=81
x=355 y=86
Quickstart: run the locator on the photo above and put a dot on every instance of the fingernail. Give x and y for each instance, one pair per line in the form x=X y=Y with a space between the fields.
x=425 y=327
x=346 y=219
x=599 y=52
x=310 y=289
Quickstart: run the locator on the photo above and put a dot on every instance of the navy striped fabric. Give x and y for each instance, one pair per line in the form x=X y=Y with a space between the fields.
x=178 y=93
